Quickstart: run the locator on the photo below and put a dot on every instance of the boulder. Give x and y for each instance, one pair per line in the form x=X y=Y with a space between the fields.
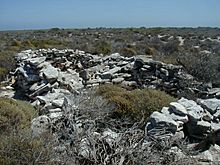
x=115 y=56
x=70 y=80
x=210 y=156
x=168 y=112
x=178 y=108
x=36 y=61
x=40 y=124
x=215 y=126
x=212 y=105
x=161 y=120
x=109 y=74
x=50 y=73
x=195 y=111
x=40 y=89
x=217 y=114
x=49 y=97
x=213 y=91
x=117 y=80
x=55 y=114
x=58 y=102
x=198 y=130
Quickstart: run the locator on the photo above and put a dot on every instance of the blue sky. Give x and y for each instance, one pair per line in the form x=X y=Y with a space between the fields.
x=39 y=14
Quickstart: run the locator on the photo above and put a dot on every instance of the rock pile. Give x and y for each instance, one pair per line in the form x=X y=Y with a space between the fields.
x=86 y=125
x=188 y=118
x=54 y=81
x=45 y=75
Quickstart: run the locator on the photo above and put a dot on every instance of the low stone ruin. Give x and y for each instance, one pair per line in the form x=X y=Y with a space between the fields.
x=42 y=70
x=54 y=80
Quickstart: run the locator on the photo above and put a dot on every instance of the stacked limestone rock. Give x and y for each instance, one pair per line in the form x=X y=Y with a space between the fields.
x=48 y=76
x=199 y=118
x=45 y=75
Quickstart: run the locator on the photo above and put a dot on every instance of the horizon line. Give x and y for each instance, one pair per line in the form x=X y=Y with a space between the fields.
x=108 y=27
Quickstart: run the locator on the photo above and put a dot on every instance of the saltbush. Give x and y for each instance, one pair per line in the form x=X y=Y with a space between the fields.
x=14 y=114
x=204 y=67
x=103 y=47
x=21 y=149
x=137 y=103
x=128 y=52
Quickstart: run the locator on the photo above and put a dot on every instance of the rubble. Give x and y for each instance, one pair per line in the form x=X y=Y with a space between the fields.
x=52 y=78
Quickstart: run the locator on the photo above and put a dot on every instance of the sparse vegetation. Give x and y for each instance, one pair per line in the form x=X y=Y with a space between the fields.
x=205 y=67
x=15 y=114
x=7 y=63
x=17 y=146
x=108 y=40
x=137 y=103
x=128 y=51
x=103 y=47
x=21 y=148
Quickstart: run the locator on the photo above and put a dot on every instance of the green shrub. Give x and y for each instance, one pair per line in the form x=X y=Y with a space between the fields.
x=136 y=103
x=7 y=63
x=14 y=114
x=27 y=44
x=7 y=59
x=16 y=43
x=21 y=148
x=54 y=30
x=128 y=52
x=103 y=47
x=204 y=67
x=14 y=49
x=149 y=51
x=3 y=72
x=17 y=146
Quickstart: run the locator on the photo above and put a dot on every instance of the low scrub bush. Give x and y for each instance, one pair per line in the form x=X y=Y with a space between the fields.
x=36 y=44
x=3 y=72
x=17 y=146
x=137 y=103
x=14 y=114
x=103 y=47
x=16 y=43
x=7 y=60
x=21 y=148
x=205 y=67
x=149 y=51
x=47 y=43
x=128 y=52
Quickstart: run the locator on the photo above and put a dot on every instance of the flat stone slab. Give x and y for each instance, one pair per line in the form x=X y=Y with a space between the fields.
x=158 y=119
x=50 y=72
x=194 y=110
x=178 y=108
x=212 y=105
x=109 y=74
